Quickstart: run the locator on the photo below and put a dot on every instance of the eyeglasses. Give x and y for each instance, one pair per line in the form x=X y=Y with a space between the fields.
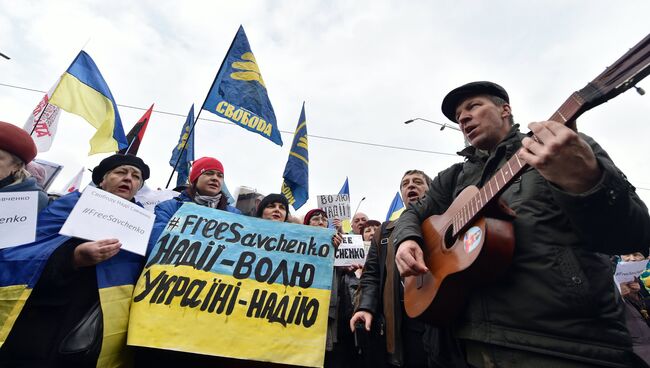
x=318 y=218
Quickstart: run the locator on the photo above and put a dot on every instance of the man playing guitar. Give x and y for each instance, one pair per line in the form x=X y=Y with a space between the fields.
x=556 y=304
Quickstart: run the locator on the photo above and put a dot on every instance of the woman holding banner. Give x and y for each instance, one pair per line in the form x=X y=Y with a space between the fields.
x=206 y=182
x=67 y=299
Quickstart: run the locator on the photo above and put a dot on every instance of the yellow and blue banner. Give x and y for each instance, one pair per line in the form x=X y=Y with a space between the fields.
x=396 y=208
x=234 y=286
x=82 y=91
x=295 y=186
x=184 y=152
x=239 y=92
x=21 y=268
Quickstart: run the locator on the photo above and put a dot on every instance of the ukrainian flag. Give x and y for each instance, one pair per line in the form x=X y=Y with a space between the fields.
x=82 y=91
x=295 y=186
x=345 y=223
x=21 y=268
x=396 y=208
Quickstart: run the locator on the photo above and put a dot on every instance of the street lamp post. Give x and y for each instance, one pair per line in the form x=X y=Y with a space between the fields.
x=442 y=126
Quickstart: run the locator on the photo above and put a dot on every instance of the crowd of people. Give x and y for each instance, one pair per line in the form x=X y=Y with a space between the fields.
x=572 y=212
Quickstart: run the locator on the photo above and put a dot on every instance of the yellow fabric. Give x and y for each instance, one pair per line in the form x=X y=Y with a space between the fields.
x=395 y=215
x=77 y=98
x=12 y=301
x=192 y=330
x=116 y=302
x=346 y=226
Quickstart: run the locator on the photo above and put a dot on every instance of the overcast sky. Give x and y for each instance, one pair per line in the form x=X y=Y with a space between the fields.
x=362 y=68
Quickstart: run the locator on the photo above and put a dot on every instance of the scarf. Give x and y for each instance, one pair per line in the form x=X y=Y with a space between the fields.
x=208 y=201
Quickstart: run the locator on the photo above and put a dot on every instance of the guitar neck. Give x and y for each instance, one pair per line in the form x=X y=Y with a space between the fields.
x=633 y=66
x=509 y=172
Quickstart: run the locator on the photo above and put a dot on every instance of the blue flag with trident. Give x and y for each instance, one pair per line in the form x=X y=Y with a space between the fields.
x=295 y=186
x=239 y=92
x=184 y=156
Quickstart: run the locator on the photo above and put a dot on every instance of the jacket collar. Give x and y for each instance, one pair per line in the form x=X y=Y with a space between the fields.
x=510 y=142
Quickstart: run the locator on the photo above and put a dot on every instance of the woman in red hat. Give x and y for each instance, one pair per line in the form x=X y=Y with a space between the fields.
x=17 y=149
x=206 y=182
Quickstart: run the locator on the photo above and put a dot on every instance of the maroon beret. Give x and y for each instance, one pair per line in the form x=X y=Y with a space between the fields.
x=17 y=141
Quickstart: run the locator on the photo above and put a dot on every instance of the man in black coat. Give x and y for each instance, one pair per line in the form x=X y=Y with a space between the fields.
x=556 y=305
x=380 y=302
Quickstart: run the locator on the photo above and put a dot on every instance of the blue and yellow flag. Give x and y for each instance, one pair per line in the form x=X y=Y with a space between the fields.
x=82 y=91
x=396 y=208
x=295 y=186
x=21 y=267
x=184 y=155
x=345 y=189
x=239 y=93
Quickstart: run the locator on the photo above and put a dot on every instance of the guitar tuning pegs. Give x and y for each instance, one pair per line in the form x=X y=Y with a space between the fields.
x=639 y=90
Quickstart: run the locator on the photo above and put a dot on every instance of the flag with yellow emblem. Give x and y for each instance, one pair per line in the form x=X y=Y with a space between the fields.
x=295 y=186
x=239 y=92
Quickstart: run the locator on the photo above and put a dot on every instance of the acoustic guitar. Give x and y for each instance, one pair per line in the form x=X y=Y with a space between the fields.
x=472 y=243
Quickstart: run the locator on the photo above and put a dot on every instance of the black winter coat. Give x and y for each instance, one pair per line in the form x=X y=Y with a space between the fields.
x=557 y=297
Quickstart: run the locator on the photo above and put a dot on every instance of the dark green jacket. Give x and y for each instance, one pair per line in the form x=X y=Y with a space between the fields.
x=558 y=296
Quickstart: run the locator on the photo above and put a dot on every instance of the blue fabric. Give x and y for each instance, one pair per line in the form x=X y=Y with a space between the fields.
x=84 y=69
x=187 y=155
x=296 y=173
x=345 y=189
x=166 y=209
x=24 y=264
x=28 y=185
x=239 y=93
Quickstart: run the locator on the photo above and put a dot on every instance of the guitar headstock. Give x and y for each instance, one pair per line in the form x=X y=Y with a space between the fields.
x=619 y=77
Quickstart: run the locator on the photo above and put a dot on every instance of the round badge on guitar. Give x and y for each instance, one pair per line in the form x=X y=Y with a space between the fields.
x=472 y=239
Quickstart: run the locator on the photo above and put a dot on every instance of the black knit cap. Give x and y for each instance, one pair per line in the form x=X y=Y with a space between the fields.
x=457 y=95
x=272 y=198
x=111 y=162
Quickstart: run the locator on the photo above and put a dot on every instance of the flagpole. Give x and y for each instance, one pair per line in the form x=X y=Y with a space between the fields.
x=131 y=144
x=200 y=110
x=39 y=118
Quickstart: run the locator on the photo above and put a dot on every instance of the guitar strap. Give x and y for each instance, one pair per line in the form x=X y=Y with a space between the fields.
x=390 y=289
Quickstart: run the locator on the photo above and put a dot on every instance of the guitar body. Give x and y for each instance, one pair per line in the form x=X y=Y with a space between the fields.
x=478 y=256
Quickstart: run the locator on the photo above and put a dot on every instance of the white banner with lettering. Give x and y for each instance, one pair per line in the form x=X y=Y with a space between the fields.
x=101 y=215
x=18 y=212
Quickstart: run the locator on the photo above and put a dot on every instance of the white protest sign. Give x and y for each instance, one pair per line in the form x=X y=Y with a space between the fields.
x=18 y=218
x=336 y=206
x=627 y=271
x=150 y=198
x=101 y=215
x=350 y=252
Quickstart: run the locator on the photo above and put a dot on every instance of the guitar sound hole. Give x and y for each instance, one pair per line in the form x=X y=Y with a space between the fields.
x=450 y=239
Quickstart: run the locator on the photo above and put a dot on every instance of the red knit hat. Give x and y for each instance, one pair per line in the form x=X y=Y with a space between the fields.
x=311 y=214
x=202 y=165
x=17 y=141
